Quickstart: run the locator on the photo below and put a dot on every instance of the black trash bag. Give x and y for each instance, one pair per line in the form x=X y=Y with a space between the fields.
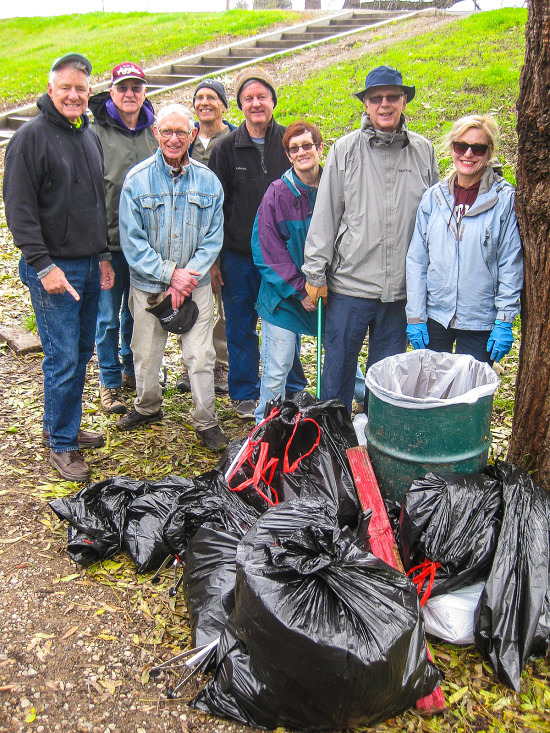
x=98 y=513
x=145 y=520
x=324 y=635
x=449 y=527
x=206 y=499
x=209 y=581
x=512 y=619
x=299 y=452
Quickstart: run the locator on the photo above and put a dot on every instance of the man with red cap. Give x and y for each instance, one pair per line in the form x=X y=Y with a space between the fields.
x=123 y=121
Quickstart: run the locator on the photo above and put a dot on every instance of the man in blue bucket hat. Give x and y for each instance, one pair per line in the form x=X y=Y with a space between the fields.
x=363 y=221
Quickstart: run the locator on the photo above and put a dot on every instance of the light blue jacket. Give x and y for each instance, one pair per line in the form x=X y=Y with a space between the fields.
x=466 y=276
x=167 y=222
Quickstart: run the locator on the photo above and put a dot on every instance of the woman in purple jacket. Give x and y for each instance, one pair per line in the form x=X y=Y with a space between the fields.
x=278 y=240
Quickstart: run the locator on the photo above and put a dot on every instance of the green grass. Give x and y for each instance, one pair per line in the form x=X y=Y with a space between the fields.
x=470 y=66
x=28 y=46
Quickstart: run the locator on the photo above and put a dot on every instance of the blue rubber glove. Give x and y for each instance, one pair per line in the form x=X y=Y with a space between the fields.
x=501 y=340
x=417 y=333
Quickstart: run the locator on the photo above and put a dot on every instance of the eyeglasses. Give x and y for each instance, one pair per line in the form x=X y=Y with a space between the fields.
x=478 y=149
x=379 y=98
x=306 y=147
x=180 y=134
x=135 y=88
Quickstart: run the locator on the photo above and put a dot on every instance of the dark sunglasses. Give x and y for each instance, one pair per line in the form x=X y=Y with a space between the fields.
x=136 y=88
x=294 y=150
x=379 y=98
x=478 y=149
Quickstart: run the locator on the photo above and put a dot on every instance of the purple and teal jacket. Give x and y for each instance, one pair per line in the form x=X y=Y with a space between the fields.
x=278 y=239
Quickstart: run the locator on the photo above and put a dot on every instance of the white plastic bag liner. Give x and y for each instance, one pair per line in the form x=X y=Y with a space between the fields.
x=450 y=616
x=359 y=425
x=424 y=379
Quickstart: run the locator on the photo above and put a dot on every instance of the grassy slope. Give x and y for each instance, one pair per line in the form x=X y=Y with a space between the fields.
x=471 y=66
x=29 y=45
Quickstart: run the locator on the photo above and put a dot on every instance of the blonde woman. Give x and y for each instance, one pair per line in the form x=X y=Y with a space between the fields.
x=465 y=260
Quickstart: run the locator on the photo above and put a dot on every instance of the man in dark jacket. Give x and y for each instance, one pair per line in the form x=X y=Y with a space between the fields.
x=123 y=121
x=246 y=161
x=55 y=208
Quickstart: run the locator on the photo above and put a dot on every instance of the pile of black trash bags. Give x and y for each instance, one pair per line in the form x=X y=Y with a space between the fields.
x=315 y=632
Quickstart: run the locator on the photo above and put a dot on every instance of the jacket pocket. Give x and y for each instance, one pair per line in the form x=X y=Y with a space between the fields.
x=152 y=210
x=198 y=210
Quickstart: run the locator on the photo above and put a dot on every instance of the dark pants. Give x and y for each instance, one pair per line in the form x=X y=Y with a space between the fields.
x=465 y=342
x=241 y=280
x=67 y=329
x=347 y=321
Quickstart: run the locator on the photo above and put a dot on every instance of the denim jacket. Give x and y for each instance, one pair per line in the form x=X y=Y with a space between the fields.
x=466 y=276
x=169 y=221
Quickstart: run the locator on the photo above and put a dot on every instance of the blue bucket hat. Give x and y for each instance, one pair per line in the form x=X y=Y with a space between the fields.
x=385 y=76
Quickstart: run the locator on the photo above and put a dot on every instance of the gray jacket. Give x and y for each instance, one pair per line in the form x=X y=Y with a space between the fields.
x=365 y=212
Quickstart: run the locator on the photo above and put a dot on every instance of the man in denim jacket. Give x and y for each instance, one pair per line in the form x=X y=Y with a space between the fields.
x=171 y=230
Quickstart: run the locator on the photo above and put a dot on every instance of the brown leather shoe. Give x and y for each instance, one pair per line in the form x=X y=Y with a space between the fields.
x=86 y=439
x=112 y=401
x=128 y=382
x=70 y=465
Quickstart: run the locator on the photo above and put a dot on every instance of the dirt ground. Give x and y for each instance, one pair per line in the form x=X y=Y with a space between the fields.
x=76 y=645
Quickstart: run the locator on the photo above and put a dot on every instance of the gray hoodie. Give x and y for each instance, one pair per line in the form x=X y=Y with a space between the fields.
x=365 y=212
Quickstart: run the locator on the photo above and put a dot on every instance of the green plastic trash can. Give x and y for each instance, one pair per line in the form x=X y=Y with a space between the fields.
x=428 y=411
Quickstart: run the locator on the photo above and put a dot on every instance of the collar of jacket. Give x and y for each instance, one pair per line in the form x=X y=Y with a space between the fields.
x=47 y=107
x=243 y=139
x=297 y=189
x=102 y=116
x=167 y=169
x=486 y=198
x=197 y=125
x=379 y=137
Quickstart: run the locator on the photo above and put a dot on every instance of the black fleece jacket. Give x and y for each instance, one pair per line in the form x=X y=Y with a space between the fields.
x=53 y=189
x=245 y=177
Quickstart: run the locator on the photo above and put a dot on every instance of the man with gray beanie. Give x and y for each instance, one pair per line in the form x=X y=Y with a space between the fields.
x=246 y=161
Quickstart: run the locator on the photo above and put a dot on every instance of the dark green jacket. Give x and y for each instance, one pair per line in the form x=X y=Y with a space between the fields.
x=122 y=150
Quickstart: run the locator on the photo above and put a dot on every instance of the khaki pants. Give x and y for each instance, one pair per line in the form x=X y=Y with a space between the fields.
x=148 y=344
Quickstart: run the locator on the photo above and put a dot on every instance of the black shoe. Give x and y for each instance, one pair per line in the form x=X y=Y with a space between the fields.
x=245 y=409
x=134 y=418
x=86 y=439
x=220 y=380
x=183 y=384
x=213 y=438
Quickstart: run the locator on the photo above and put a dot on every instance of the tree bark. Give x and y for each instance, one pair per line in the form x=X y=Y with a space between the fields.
x=530 y=441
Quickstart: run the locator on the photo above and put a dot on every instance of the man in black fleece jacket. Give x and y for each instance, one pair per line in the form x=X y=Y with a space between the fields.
x=55 y=209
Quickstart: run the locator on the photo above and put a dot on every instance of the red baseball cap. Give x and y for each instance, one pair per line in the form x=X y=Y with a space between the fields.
x=127 y=70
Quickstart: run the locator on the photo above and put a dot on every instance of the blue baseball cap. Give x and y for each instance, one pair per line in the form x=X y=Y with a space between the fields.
x=385 y=76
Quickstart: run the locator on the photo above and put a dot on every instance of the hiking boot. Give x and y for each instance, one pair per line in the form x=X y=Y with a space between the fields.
x=220 y=380
x=134 y=418
x=245 y=409
x=183 y=384
x=70 y=465
x=86 y=439
x=111 y=400
x=128 y=382
x=213 y=438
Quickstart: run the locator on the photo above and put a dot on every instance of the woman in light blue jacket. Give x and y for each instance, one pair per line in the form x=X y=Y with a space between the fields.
x=465 y=260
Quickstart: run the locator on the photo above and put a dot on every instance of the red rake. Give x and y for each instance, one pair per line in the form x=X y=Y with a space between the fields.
x=383 y=542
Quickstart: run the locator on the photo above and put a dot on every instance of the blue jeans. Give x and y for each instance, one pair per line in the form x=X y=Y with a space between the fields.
x=279 y=349
x=239 y=294
x=347 y=321
x=110 y=320
x=66 y=328
x=465 y=342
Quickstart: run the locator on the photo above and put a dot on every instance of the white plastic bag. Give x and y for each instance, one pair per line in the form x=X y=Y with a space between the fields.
x=450 y=616
x=359 y=424
x=423 y=379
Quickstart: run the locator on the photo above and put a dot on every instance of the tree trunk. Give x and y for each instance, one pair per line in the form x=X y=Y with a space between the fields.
x=530 y=442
